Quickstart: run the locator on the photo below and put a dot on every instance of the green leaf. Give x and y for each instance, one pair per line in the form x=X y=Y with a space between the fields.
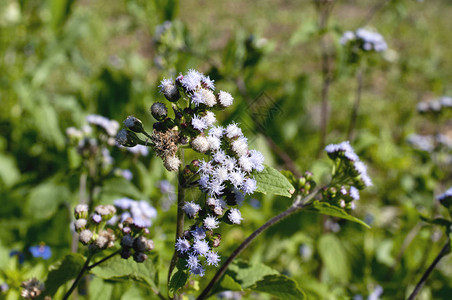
x=334 y=257
x=272 y=181
x=43 y=200
x=60 y=10
x=123 y=187
x=226 y=284
x=63 y=271
x=120 y=269
x=100 y=290
x=177 y=281
x=280 y=286
x=334 y=211
x=247 y=275
x=437 y=221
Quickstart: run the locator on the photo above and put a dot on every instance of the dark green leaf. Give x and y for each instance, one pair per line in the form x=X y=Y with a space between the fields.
x=272 y=181
x=63 y=271
x=334 y=211
x=226 y=284
x=280 y=286
x=117 y=268
x=177 y=281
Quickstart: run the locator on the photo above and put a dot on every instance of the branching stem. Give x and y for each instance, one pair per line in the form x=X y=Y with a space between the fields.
x=420 y=284
x=297 y=206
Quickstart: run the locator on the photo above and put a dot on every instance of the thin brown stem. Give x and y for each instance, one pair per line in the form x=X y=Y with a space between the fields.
x=354 y=116
x=420 y=284
x=324 y=8
x=180 y=213
x=79 y=276
x=103 y=260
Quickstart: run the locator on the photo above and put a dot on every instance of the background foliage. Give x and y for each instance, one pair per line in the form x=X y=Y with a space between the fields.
x=61 y=60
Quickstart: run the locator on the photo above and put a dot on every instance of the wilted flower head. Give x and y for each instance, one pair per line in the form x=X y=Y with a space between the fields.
x=31 y=288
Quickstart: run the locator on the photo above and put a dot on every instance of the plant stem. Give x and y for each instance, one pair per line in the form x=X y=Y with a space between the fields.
x=324 y=9
x=103 y=260
x=429 y=270
x=354 y=116
x=297 y=206
x=180 y=212
x=79 y=276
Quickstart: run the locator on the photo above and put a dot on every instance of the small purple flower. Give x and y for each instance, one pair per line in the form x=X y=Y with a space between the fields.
x=42 y=250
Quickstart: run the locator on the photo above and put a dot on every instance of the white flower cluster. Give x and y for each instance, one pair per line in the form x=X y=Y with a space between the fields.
x=422 y=142
x=231 y=163
x=349 y=170
x=141 y=212
x=110 y=126
x=434 y=106
x=367 y=40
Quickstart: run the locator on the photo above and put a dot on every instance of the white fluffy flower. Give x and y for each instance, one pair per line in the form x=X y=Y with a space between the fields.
x=201 y=247
x=257 y=159
x=216 y=131
x=85 y=236
x=221 y=173
x=233 y=130
x=182 y=245
x=214 y=143
x=215 y=187
x=192 y=261
x=191 y=209
x=192 y=80
x=236 y=178
x=225 y=99
x=235 y=216
x=210 y=222
x=198 y=123
x=209 y=119
x=208 y=83
x=354 y=193
x=198 y=233
x=240 y=146
x=200 y=144
x=245 y=163
x=219 y=156
x=212 y=258
x=197 y=98
x=172 y=163
x=249 y=186
x=230 y=163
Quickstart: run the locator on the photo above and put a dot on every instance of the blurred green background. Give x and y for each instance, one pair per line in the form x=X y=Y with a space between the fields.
x=61 y=60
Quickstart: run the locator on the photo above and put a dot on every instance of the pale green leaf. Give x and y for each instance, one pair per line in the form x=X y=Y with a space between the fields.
x=280 y=286
x=334 y=211
x=272 y=181
x=63 y=271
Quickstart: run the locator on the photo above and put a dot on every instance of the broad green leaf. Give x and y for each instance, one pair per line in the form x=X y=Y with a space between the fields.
x=44 y=199
x=60 y=10
x=100 y=290
x=280 y=286
x=272 y=181
x=63 y=271
x=334 y=257
x=9 y=173
x=226 y=284
x=177 y=281
x=247 y=275
x=334 y=211
x=121 y=187
x=117 y=268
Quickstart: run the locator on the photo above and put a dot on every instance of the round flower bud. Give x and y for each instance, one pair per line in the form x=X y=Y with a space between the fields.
x=139 y=257
x=216 y=241
x=200 y=144
x=149 y=245
x=127 y=138
x=134 y=124
x=125 y=253
x=85 y=236
x=169 y=90
x=159 y=111
x=81 y=211
x=225 y=99
x=80 y=224
x=140 y=244
x=172 y=163
x=208 y=97
x=127 y=242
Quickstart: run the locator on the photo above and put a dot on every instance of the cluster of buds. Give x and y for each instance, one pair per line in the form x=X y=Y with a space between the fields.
x=364 y=40
x=105 y=226
x=303 y=185
x=348 y=177
x=94 y=141
x=31 y=289
x=434 y=107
